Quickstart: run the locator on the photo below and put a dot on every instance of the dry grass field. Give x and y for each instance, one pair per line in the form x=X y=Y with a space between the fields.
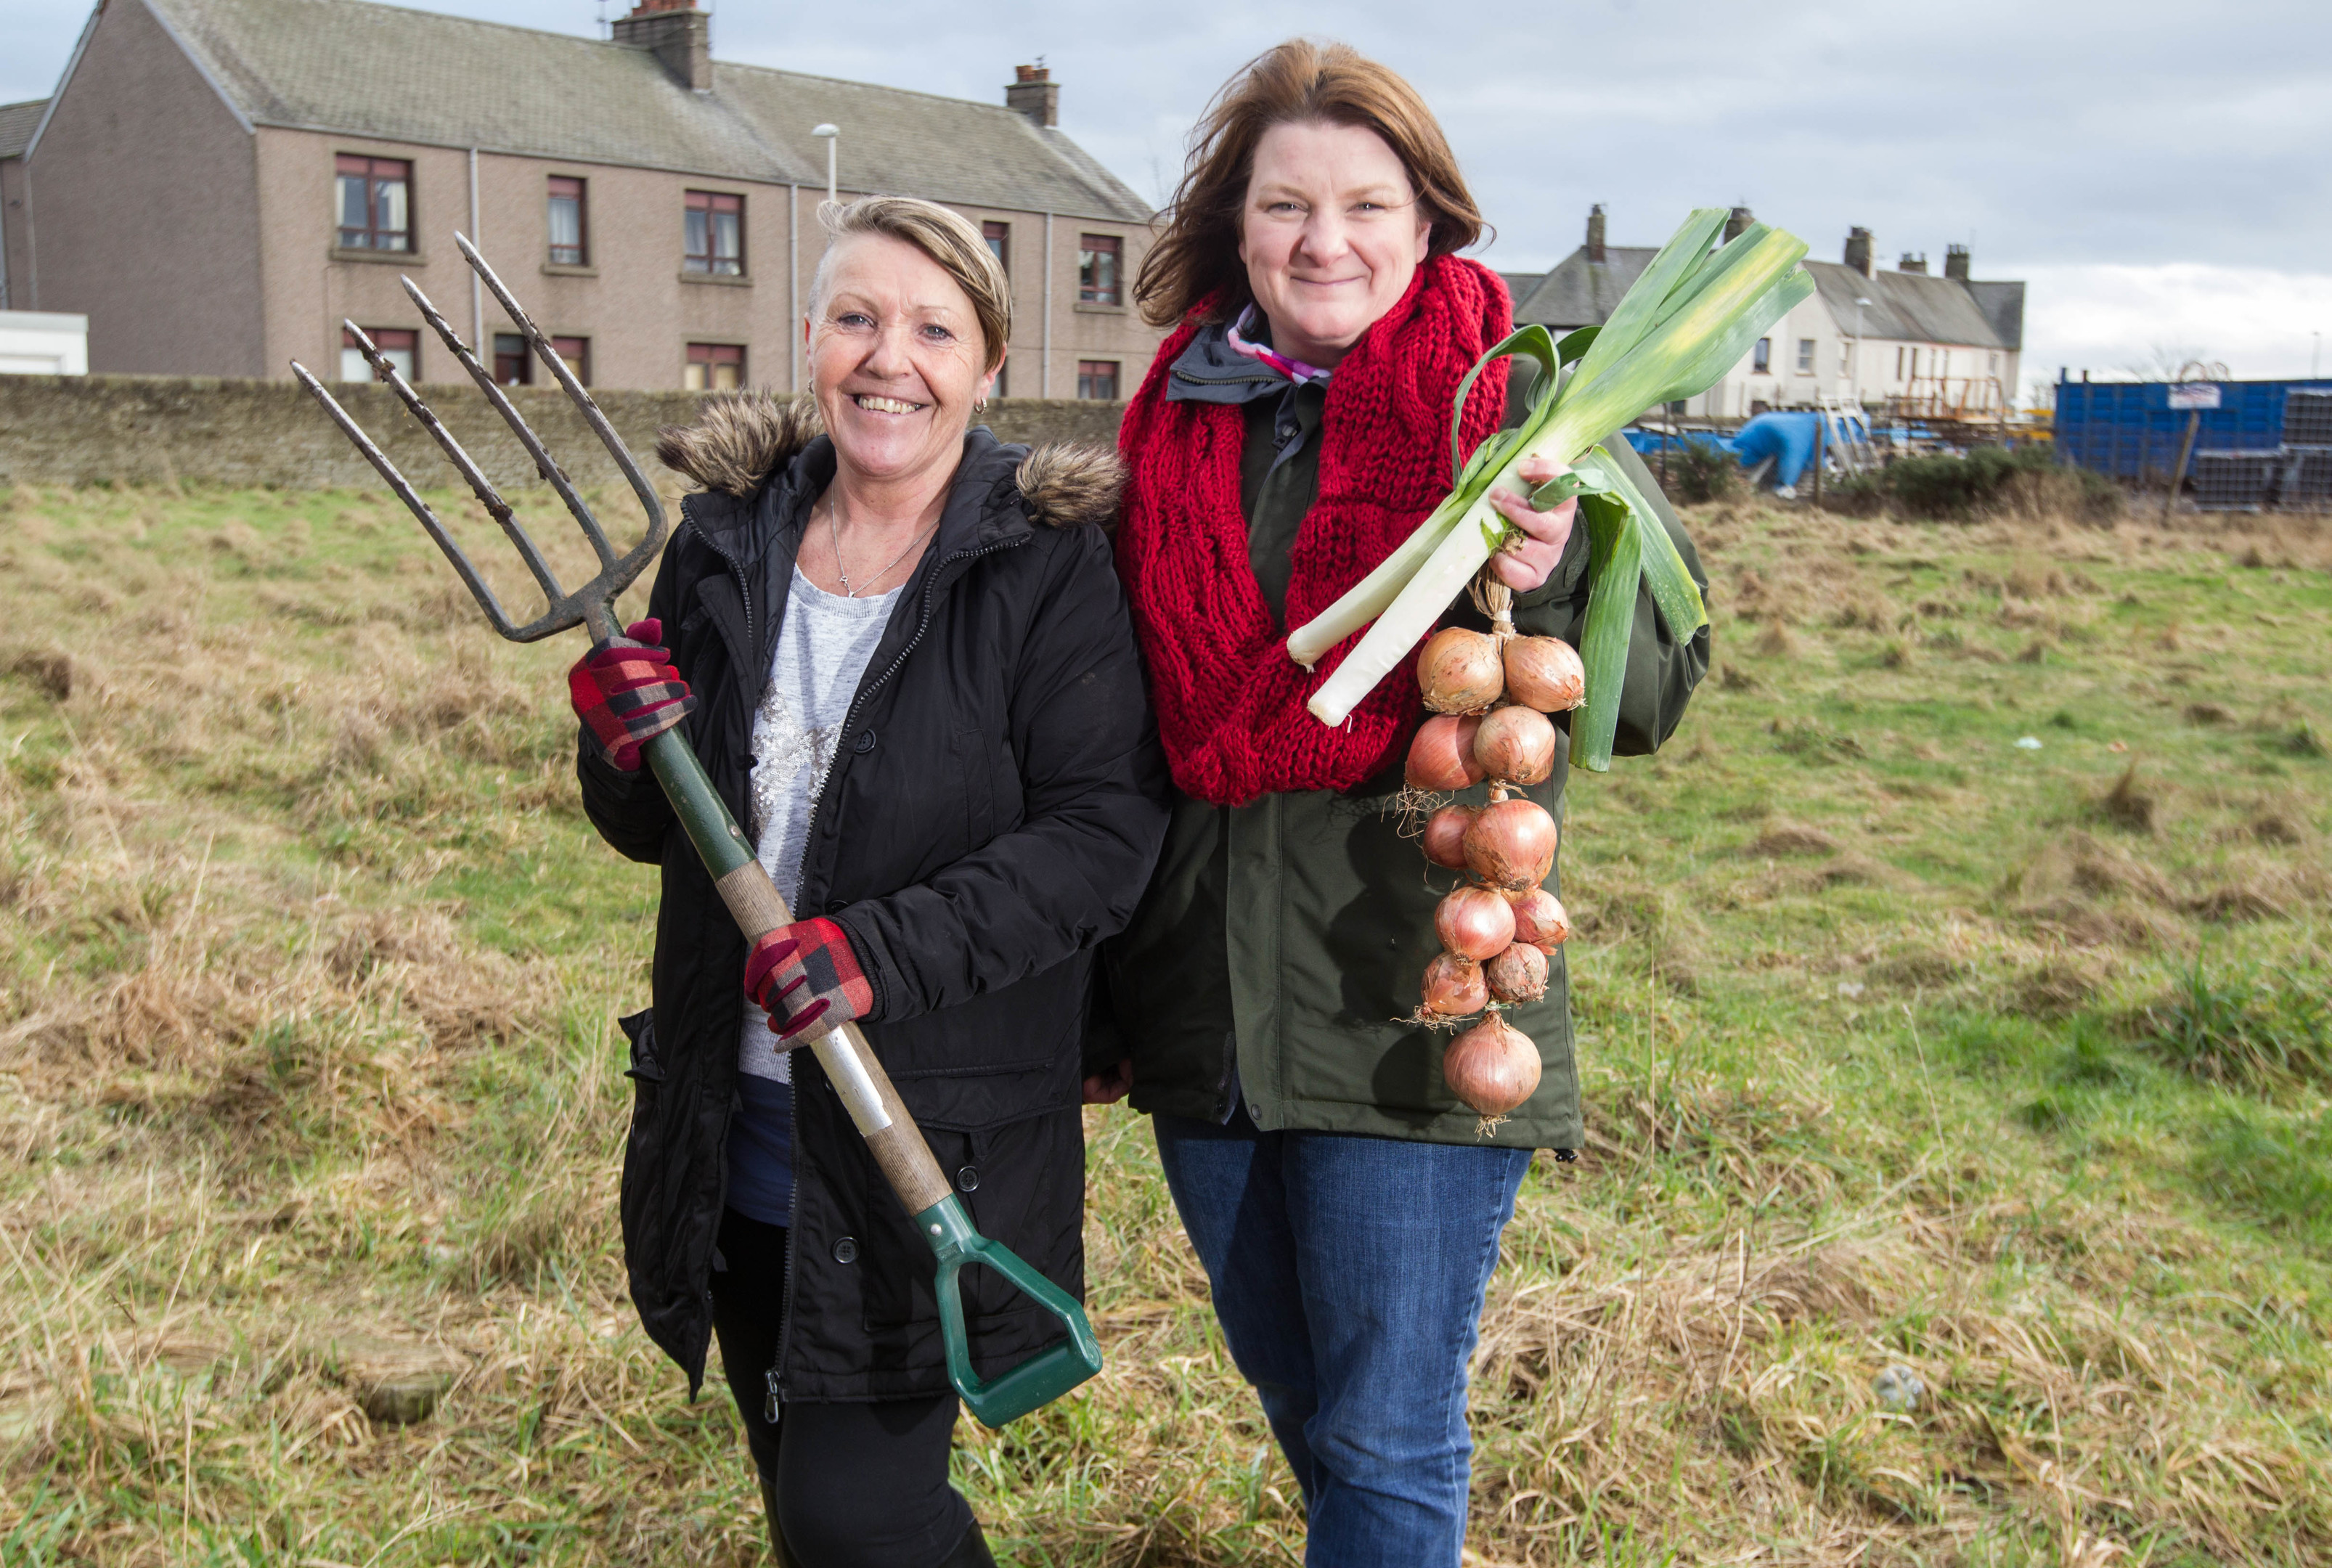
x=1954 y=999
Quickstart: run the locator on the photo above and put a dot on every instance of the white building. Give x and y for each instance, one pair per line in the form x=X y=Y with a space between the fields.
x=44 y=343
x=1906 y=342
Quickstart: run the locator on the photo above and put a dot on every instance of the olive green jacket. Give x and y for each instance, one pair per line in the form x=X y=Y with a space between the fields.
x=1280 y=943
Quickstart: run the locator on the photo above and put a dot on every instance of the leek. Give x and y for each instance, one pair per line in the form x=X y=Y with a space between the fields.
x=1692 y=315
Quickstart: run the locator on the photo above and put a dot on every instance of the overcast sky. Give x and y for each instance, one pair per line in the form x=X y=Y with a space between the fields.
x=2158 y=172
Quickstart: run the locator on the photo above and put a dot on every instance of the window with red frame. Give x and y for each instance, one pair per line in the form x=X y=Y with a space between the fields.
x=1098 y=256
x=515 y=361
x=568 y=245
x=715 y=368
x=400 y=345
x=514 y=365
x=1000 y=244
x=716 y=235
x=1097 y=378
x=376 y=203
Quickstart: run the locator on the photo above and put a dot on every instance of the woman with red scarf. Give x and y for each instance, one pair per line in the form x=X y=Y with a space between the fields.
x=1293 y=430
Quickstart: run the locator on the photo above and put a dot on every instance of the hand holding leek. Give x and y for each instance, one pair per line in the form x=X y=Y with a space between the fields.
x=1691 y=315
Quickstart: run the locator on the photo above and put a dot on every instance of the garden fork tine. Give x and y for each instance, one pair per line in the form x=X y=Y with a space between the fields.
x=852 y=1068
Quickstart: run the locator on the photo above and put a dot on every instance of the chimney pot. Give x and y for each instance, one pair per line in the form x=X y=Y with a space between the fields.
x=1595 y=252
x=1858 y=250
x=676 y=33
x=1033 y=93
x=1737 y=225
x=1912 y=264
x=1956 y=262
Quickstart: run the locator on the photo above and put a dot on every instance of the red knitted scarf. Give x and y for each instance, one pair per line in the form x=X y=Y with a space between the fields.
x=1231 y=701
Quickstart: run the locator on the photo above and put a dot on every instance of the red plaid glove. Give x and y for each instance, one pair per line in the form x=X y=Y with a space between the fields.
x=804 y=974
x=628 y=693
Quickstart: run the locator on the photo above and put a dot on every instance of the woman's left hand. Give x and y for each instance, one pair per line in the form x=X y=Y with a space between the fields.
x=804 y=974
x=1526 y=566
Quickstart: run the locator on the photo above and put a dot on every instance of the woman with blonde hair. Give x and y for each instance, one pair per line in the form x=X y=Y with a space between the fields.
x=902 y=654
x=1293 y=430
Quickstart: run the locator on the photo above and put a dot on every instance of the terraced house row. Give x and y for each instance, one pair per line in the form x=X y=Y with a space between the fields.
x=217 y=184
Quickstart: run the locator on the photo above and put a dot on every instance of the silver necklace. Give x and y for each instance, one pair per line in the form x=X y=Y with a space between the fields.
x=833 y=531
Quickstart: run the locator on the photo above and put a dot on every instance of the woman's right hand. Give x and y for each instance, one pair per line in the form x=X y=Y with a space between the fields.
x=1108 y=1088
x=628 y=693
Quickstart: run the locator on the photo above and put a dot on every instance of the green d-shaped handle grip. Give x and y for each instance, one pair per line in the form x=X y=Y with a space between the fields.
x=1043 y=1377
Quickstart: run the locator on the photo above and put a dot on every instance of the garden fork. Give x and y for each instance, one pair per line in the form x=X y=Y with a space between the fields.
x=891 y=1134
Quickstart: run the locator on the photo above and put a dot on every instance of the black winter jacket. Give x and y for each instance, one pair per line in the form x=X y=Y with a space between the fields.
x=996 y=801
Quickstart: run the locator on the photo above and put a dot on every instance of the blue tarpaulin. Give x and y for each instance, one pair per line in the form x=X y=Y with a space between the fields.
x=1787 y=438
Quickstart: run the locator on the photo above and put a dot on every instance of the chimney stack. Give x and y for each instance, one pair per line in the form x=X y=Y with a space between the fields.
x=1858 y=250
x=1738 y=224
x=1956 y=262
x=1035 y=94
x=1912 y=264
x=677 y=34
x=1595 y=234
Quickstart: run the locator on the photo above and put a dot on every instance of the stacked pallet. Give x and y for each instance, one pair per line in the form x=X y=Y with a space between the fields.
x=2296 y=475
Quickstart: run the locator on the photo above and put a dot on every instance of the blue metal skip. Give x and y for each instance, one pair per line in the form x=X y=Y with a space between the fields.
x=2128 y=429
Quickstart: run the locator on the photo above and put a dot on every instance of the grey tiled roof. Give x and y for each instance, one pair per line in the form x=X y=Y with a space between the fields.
x=17 y=123
x=384 y=72
x=1914 y=306
x=1909 y=306
x=1519 y=285
x=1583 y=293
x=2002 y=305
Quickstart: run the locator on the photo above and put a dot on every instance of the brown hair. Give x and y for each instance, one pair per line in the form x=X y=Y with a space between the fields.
x=1196 y=255
x=947 y=236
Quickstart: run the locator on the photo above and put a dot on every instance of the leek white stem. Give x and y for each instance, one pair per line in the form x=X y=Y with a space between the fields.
x=1415 y=607
x=1367 y=599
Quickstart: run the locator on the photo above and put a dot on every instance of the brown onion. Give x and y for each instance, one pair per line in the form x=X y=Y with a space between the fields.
x=1442 y=755
x=1453 y=986
x=1492 y=1067
x=1474 y=922
x=1545 y=674
x=1539 y=919
x=1445 y=835
x=1517 y=974
x=1511 y=845
x=1460 y=671
x=1516 y=745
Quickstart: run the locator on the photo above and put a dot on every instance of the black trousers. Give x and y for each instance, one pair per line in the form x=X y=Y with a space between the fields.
x=857 y=1486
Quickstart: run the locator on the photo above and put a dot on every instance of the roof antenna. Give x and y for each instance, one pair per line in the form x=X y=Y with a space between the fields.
x=603 y=18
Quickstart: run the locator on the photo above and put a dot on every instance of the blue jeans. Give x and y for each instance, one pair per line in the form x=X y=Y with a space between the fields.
x=1348 y=1275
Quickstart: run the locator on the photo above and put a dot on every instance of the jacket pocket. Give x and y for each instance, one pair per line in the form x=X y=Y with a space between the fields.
x=1025 y=1189
x=645 y=1069
x=976 y=777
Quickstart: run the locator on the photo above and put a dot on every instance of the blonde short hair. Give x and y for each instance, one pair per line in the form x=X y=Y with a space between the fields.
x=947 y=236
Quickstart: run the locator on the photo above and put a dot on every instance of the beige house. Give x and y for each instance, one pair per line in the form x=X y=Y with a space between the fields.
x=217 y=184
x=1906 y=342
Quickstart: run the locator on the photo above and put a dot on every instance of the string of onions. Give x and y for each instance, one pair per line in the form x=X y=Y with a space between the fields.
x=1491 y=693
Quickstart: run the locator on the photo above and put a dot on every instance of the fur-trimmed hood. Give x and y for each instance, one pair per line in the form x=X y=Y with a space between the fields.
x=740 y=439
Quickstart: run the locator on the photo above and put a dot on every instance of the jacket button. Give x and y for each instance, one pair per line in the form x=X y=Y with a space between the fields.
x=968 y=1179
x=846 y=1251
x=865 y=742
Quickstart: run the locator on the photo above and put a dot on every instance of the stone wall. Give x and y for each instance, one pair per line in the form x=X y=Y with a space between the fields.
x=172 y=430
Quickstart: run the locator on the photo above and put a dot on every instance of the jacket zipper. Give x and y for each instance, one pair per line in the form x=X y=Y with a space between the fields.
x=773 y=1380
x=736 y=570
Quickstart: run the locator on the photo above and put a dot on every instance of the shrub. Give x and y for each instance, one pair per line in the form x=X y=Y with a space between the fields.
x=1698 y=472
x=1989 y=482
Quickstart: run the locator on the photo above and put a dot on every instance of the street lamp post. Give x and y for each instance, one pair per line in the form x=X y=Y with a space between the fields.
x=831 y=135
